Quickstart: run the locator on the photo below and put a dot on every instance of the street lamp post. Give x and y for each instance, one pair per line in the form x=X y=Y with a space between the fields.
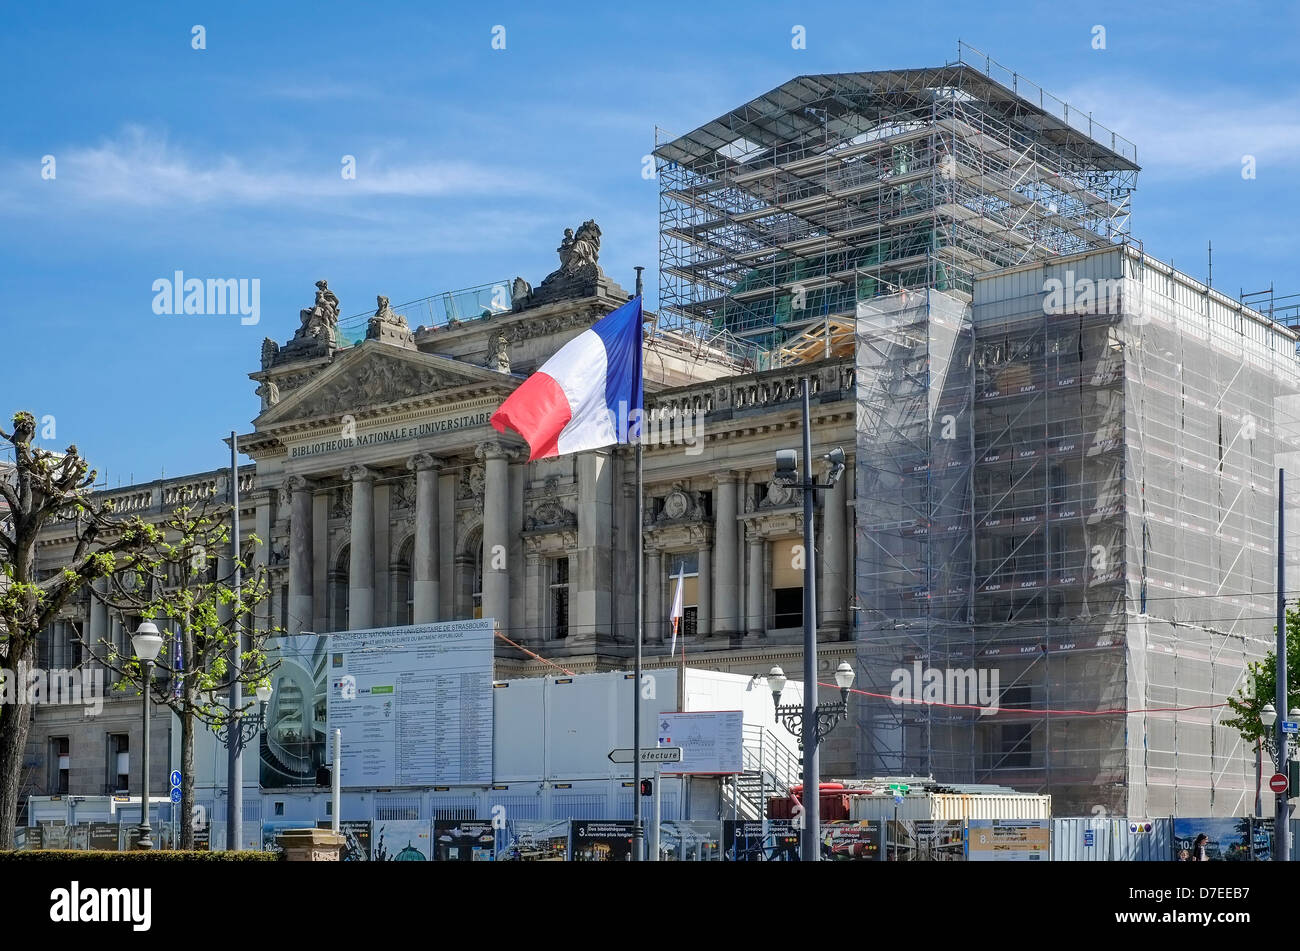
x=147 y=642
x=825 y=716
x=810 y=721
x=1280 y=752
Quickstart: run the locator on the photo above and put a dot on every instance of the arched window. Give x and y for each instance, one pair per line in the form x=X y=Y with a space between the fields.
x=338 y=590
x=476 y=589
x=402 y=599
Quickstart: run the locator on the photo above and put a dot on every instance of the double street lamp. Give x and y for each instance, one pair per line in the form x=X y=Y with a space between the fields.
x=827 y=715
x=812 y=721
x=147 y=643
x=238 y=730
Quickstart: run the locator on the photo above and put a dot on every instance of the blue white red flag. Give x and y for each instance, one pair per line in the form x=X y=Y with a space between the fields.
x=588 y=395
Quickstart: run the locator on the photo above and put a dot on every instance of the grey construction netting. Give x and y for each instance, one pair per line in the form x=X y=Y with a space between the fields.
x=1069 y=496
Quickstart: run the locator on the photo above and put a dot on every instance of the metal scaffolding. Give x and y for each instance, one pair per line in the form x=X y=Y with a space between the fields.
x=1077 y=496
x=787 y=210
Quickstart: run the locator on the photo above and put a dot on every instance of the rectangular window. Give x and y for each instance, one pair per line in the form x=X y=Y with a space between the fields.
x=788 y=607
x=688 y=565
x=119 y=763
x=60 y=765
x=559 y=586
x=787 y=583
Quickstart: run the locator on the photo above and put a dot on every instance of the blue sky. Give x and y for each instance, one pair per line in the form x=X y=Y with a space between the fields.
x=225 y=162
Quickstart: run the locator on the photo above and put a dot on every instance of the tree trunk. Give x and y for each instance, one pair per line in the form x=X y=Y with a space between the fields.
x=187 y=778
x=15 y=723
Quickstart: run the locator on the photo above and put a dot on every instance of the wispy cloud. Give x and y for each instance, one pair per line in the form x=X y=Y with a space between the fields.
x=1200 y=133
x=141 y=168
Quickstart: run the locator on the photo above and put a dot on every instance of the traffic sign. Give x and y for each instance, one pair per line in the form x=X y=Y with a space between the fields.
x=662 y=754
x=176 y=794
x=1278 y=783
x=176 y=777
x=898 y=799
x=1291 y=726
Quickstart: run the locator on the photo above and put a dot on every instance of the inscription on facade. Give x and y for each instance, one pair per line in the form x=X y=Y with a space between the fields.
x=393 y=434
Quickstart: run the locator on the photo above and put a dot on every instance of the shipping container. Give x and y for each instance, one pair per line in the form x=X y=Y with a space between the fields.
x=931 y=806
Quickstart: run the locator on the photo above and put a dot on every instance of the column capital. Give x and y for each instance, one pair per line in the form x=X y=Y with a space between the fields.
x=291 y=485
x=493 y=449
x=727 y=477
x=422 y=461
x=358 y=473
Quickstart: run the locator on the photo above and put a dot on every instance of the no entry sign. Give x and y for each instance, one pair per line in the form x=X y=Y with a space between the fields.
x=1278 y=783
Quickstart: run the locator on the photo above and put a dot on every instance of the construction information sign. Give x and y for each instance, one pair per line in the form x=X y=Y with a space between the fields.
x=712 y=741
x=1008 y=840
x=414 y=703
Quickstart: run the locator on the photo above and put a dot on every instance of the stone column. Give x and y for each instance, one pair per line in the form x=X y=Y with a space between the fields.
x=296 y=494
x=727 y=617
x=117 y=638
x=361 y=567
x=425 y=557
x=704 y=592
x=592 y=578
x=654 y=597
x=831 y=598
x=496 y=540
x=445 y=543
x=755 y=590
x=98 y=622
x=262 y=557
x=321 y=567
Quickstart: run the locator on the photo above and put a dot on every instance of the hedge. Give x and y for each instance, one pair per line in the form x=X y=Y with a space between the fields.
x=79 y=855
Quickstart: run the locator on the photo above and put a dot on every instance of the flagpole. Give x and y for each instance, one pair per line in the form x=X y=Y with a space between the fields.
x=638 y=831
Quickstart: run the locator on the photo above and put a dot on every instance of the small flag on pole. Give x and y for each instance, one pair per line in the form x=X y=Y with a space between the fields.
x=676 y=613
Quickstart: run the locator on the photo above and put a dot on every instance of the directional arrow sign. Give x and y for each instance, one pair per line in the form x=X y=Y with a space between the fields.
x=663 y=754
x=1291 y=726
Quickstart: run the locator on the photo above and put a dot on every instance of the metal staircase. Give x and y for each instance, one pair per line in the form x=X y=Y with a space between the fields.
x=771 y=767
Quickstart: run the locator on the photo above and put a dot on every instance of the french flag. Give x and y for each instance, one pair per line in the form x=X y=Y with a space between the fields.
x=588 y=395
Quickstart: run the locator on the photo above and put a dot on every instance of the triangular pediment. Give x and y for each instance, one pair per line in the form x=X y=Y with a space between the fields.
x=372 y=374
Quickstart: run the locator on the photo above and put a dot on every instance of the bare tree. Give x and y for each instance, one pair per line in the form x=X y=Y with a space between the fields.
x=42 y=488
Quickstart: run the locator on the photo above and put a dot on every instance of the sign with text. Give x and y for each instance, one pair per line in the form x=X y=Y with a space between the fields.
x=712 y=741
x=414 y=703
x=1008 y=840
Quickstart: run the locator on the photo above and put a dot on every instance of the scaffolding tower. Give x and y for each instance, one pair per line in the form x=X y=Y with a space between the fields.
x=787 y=210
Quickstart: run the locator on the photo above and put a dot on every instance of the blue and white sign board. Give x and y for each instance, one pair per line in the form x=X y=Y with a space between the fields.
x=176 y=794
x=712 y=741
x=176 y=777
x=1089 y=838
x=1291 y=726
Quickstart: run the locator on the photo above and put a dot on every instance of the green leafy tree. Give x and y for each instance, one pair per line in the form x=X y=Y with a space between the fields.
x=42 y=488
x=1260 y=687
x=185 y=589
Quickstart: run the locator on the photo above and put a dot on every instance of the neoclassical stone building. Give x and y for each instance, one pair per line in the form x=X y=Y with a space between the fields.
x=384 y=497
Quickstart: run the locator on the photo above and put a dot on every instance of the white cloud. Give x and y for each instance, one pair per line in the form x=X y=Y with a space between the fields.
x=1200 y=133
x=141 y=169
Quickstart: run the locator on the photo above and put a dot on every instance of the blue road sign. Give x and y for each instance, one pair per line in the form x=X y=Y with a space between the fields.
x=1089 y=838
x=1291 y=726
x=176 y=777
x=176 y=794
x=898 y=800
